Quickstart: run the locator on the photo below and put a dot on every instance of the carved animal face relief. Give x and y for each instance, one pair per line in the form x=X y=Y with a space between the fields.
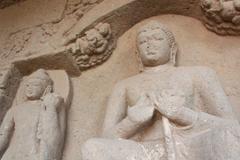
x=222 y=16
x=93 y=48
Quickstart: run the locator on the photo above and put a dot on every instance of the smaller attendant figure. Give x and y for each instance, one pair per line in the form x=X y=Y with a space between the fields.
x=34 y=130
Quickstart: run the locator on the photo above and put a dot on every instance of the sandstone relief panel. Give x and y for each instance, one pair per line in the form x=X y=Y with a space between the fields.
x=138 y=81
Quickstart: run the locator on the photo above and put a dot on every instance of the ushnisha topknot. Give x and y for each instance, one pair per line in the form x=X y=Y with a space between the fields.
x=41 y=74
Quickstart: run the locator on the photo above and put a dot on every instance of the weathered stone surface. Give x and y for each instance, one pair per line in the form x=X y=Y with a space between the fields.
x=92 y=43
x=7 y=3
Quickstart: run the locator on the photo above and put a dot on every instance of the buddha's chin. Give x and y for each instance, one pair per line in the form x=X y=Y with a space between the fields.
x=154 y=62
x=32 y=97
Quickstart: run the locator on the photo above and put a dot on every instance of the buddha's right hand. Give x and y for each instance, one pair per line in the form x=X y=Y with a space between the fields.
x=142 y=111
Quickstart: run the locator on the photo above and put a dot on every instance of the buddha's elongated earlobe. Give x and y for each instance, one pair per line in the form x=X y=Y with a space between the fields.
x=173 y=55
x=140 y=64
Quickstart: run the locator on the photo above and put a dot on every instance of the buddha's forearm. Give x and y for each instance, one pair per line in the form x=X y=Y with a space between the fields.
x=212 y=120
x=124 y=129
x=186 y=116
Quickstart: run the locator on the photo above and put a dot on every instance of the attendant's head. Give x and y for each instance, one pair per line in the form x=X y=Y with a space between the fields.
x=38 y=84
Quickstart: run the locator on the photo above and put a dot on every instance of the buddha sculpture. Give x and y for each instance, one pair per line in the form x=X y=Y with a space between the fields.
x=166 y=112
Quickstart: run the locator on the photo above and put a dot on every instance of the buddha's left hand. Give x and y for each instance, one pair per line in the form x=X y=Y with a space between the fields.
x=169 y=103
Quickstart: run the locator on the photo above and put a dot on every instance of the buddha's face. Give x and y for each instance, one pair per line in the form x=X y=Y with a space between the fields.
x=35 y=88
x=154 y=48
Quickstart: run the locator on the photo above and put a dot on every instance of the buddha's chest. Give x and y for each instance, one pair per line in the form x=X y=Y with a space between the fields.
x=159 y=83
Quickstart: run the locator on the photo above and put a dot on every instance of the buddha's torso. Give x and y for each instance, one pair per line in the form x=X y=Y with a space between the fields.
x=172 y=78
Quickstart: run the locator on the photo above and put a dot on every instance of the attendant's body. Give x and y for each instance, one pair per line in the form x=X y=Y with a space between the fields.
x=32 y=130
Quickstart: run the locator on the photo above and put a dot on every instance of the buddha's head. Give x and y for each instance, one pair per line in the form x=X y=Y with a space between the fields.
x=38 y=84
x=156 y=45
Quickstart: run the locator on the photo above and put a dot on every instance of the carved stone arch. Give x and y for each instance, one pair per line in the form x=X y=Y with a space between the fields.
x=119 y=16
x=122 y=15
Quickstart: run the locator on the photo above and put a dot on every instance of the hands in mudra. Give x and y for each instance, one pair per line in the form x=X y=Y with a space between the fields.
x=168 y=102
x=142 y=111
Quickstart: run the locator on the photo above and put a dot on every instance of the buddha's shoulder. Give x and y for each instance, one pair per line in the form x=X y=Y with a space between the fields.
x=130 y=80
x=202 y=70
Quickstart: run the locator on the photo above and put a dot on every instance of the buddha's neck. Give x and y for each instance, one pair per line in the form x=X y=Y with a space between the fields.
x=159 y=68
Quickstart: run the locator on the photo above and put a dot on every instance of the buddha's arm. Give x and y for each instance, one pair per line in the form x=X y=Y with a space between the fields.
x=219 y=109
x=117 y=124
x=6 y=130
x=188 y=117
x=214 y=96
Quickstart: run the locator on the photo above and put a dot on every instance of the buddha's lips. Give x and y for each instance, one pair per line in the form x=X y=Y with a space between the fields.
x=151 y=53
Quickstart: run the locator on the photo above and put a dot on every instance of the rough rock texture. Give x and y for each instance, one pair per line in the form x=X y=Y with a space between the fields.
x=33 y=32
x=9 y=81
x=6 y=3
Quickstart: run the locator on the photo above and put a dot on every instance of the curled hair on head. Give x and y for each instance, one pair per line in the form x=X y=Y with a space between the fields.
x=155 y=25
